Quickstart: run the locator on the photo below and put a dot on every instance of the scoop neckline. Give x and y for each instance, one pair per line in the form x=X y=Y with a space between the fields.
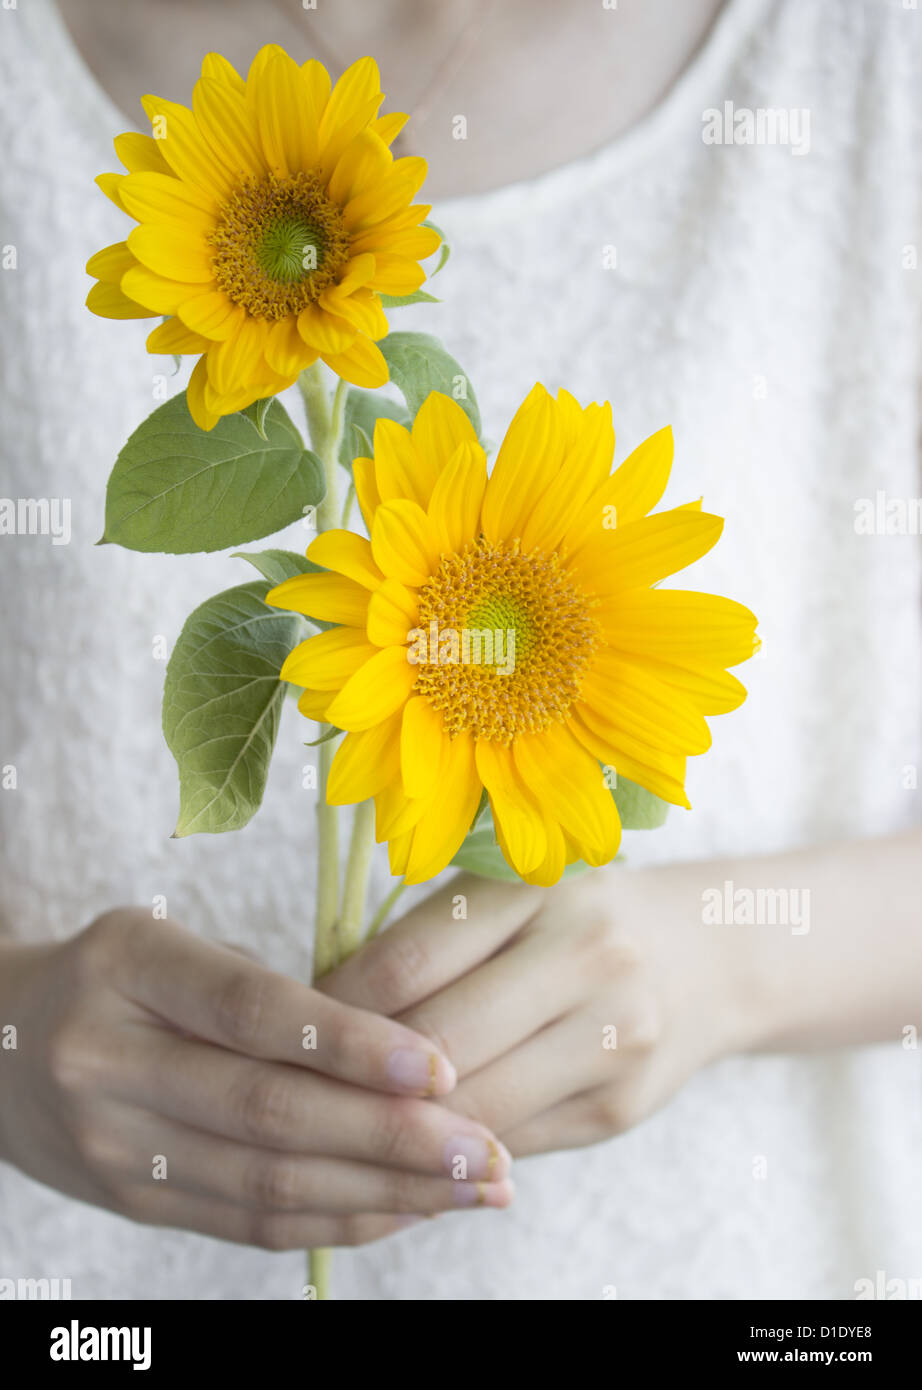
x=499 y=204
x=641 y=139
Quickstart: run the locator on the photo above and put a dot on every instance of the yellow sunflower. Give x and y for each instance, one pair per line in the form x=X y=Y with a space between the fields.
x=555 y=555
x=272 y=216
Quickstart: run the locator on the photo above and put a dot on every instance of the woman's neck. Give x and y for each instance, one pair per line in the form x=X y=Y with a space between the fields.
x=499 y=90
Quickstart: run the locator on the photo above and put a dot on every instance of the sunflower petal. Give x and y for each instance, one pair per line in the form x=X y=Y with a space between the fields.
x=377 y=689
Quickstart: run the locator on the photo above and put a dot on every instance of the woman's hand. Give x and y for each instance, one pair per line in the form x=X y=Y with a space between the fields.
x=178 y=1083
x=569 y=1014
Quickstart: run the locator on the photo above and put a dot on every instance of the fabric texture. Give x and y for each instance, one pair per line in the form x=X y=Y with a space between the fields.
x=761 y=303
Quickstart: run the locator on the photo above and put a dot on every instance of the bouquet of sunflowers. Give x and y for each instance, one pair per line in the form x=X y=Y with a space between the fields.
x=497 y=679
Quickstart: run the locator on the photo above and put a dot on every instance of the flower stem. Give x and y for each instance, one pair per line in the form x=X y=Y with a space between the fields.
x=384 y=910
x=355 y=887
x=325 y=424
x=318 y=1271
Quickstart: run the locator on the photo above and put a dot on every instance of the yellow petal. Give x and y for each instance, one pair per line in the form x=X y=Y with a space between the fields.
x=109 y=302
x=174 y=337
x=528 y=459
x=156 y=292
x=366 y=488
x=287 y=122
x=395 y=275
x=393 y=613
x=172 y=251
x=326 y=661
x=348 y=554
x=184 y=147
x=141 y=153
x=586 y=461
x=111 y=263
x=229 y=127
x=377 y=689
x=621 y=695
x=152 y=197
x=365 y=160
x=233 y=364
x=422 y=741
x=111 y=185
x=212 y=314
x=681 y=626
x=362 y=309
x=199 y=409
x=566 y=780
x=454 y=508
x=363 y=365
x=516 y=814
x=353 y=104
x=440 y=426
x=325 y=332
x=389 y=127
x=365 y=763
x=286 y=351
x=328 y=597
x=642 y=552
x=216 y=67
x=451 y=809
x=400 y=469
x=663 y=773
x=630 y=493
x=404 y=543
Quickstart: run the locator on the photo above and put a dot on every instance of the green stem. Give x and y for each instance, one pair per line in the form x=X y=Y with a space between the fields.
x=325 y=423
x=318 y=1271
x=355 y=887
x=384 y=910
x=326 y=926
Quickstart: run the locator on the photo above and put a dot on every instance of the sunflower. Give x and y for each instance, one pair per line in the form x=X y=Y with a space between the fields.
x=272 y=217
x=554 y=555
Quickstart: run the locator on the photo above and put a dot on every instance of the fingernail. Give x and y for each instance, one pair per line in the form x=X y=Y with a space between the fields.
x=423 y=1073
x=483 y=1194
x=469 y=1156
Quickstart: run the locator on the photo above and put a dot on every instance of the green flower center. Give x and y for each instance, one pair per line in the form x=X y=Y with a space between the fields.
x=290 y=250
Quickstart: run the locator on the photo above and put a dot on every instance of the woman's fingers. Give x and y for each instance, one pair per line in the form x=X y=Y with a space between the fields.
x=500 y=1004
x=275 y=1106
x=443 y=938
x=216 y=994
x=568 y=1057
x=271 y=1230
x=269 y=1181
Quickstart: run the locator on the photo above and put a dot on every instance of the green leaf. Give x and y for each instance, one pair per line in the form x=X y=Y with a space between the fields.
x=279 y=565
x=398 y=301
x=332 y=732
x=177 y=489
x=362 y=409
x=257 y=413
x=221 y=705
x=638 y=808
x=481 y=855
x=419 y=364
x=444 y=249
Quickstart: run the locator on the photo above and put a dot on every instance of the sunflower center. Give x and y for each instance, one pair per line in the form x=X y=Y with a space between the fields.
x=279 y=243
x=509 y=637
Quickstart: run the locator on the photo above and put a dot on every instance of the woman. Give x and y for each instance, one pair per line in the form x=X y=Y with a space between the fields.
x=759 y=297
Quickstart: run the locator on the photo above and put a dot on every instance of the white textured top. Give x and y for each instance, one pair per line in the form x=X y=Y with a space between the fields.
x=760 y=303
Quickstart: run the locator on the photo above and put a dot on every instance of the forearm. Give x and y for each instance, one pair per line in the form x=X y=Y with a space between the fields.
x=822 y=946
